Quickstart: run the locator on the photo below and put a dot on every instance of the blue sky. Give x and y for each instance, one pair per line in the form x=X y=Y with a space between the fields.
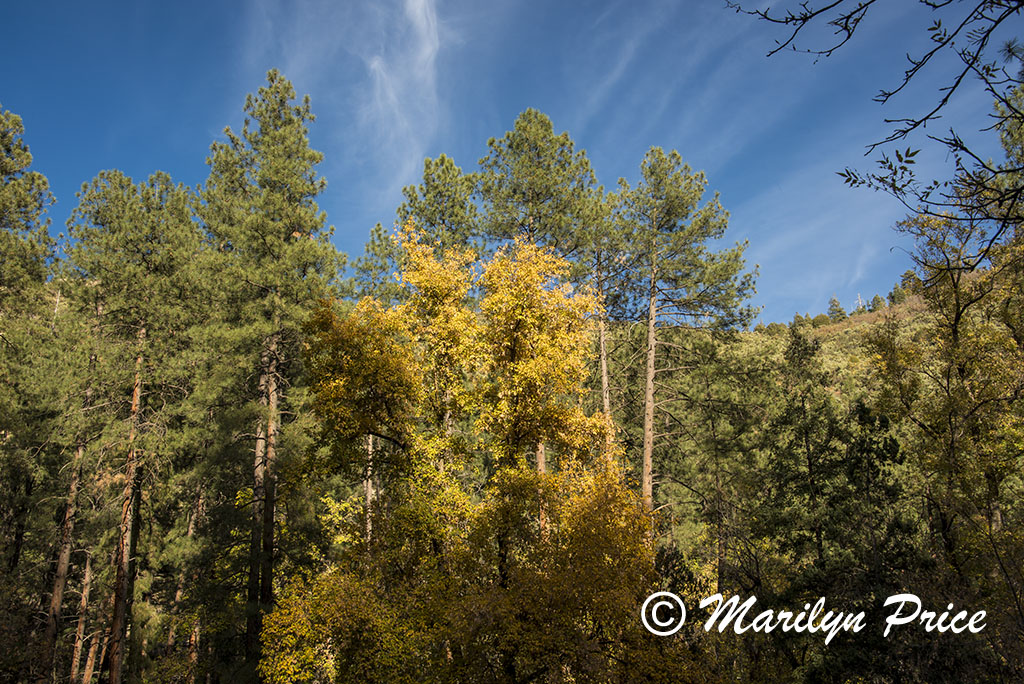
x=146 y=85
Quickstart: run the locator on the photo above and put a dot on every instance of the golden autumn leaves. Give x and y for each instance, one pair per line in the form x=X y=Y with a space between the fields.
x=483 y=565
x=516 y=363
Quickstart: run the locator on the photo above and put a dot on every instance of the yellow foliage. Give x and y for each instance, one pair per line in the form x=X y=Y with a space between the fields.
x=462 y=584
x=364 y=378
x=537 y=333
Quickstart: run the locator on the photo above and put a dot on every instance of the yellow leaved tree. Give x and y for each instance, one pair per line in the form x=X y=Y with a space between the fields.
x=481 y=566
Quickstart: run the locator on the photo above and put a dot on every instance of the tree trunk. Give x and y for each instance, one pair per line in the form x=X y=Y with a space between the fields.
x=447 y=456
x=253 y=619
x=60 y=579
x=606 y=401
x=20 y=519
x=83 y=609
x=64 y=555
x=90 y=661
x=647 y=480
x=259 y=592
x=995 y=512
x=270 y=481
x=100 y=642
x=606 y=397
x=368 y=488
x=193 y=652
x=542 y=468
x=124 y=579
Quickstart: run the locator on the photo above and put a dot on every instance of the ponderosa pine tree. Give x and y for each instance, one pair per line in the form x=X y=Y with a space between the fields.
x=603 y=259
x=535 y=185
x=24 y=241
x=27 y=403
x=273 y=250
x=442 y=205
x=132 y=246
x=444 y=214
x=25 y=247
x=677 y=279
x=375 y=270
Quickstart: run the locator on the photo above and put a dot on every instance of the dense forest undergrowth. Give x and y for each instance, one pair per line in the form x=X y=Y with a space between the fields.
x=533 y=404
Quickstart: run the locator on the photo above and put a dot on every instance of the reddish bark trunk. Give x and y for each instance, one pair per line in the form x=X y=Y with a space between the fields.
x=648 y=464
x=60 y=579
x=124 y=579
x=83 y=609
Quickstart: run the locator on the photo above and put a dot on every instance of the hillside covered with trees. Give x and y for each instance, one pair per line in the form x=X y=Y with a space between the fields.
x=472 y=453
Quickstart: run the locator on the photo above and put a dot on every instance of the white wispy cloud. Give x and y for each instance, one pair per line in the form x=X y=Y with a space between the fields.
x=372 y=70
x=403 y=112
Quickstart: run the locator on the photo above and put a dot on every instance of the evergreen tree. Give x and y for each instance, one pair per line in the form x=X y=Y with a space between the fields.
x=376 y=269
x=274 y=255
x=132 y=247
x=897 y=295
x=537 y=186
x=677 y=279
x=28 y=401
x=836 y=312
x=24 y=241
x=604 y=258
x=444 y=214
x=442 y=206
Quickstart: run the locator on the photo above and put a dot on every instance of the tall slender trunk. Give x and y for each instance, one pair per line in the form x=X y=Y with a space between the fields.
x=193 y=652
x=101 y=639
x=83 y=609
x=542 y=468
x=995 y=512
x=100 y=642
x=447 y=456
x=90 y=661
x=124 y=579
x=602 y=348
x=606 y=400
x=209 y=671
x=647 y=479
x=606 y=395
x=368 y=488
x=20 y=517
x=139 y=648
x=270 y=480
x=260 y=587
x=64 y=555
x=253 y=618
x=60 y=579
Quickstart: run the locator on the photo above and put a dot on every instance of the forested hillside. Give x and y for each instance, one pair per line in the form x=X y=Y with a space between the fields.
x=469 y=457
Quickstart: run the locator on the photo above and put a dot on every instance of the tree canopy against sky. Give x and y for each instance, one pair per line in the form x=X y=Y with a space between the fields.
x=417 y=79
